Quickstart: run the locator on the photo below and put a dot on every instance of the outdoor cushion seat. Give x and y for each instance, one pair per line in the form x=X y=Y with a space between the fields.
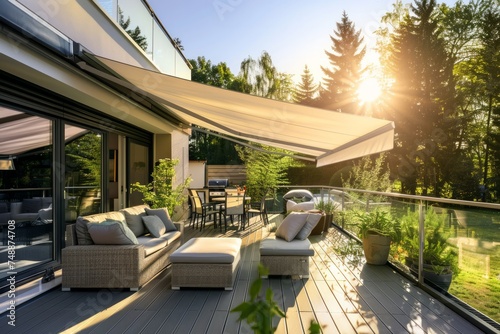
x=152 y=244
x=206 y=263
x=283 y=257
x=277 y=246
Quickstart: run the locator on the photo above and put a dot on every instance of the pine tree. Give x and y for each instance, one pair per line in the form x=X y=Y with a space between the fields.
x=342 y=80
x=306 y=90
x=422 y=102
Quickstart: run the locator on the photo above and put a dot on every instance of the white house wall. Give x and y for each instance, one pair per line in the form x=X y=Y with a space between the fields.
x=87 y=24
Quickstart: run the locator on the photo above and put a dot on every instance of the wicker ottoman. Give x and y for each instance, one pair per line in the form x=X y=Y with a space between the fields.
x=206 y=263
x=286 y=258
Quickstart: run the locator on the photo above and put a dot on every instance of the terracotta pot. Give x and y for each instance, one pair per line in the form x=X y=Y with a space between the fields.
x=376 y=248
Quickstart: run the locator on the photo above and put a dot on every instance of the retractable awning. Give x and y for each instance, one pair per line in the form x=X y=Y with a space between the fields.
x=323 y=135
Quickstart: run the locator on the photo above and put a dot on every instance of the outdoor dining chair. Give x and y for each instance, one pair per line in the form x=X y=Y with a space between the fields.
x=258 y=208
x=202 y=210
x=234 y=205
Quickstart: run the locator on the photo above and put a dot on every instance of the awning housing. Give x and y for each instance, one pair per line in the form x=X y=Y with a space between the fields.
x=325 y=135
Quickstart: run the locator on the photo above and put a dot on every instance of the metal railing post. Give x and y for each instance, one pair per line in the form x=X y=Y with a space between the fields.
x=421 y=242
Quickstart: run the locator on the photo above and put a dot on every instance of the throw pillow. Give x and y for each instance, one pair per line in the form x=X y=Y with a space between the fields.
x=154 y=225
x=291 y=225
x=111 y=233
x=133 y=217
x=162 y=213
x=302 y=206
x=311 y=222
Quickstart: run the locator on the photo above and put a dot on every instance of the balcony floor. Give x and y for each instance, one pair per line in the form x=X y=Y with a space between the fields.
x=342 y=298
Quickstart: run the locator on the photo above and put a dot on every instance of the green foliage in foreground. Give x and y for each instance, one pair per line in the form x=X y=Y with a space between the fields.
x=259 y=312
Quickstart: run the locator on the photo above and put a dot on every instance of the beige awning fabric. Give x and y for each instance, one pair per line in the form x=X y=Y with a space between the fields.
x=324 y=135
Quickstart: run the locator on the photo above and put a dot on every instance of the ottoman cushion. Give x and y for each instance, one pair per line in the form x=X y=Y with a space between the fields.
x=276 y=246
x=207 y=250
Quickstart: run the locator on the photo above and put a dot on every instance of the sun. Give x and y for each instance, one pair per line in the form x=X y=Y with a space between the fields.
x=369 y=90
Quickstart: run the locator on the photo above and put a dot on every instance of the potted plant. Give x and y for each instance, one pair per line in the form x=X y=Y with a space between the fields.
x=377 y=230
x=161 y=193
x=440 y=259
x=327 y=208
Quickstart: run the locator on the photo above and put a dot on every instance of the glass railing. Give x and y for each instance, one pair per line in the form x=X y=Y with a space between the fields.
x=450 y=247
x=159 y=46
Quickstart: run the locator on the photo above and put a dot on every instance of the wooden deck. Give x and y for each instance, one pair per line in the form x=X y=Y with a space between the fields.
x=353 y=298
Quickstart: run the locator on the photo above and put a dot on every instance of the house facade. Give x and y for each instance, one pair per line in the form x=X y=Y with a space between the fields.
x=70 y=144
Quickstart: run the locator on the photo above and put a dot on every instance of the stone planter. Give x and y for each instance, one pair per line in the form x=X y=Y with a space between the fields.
x=376 y=248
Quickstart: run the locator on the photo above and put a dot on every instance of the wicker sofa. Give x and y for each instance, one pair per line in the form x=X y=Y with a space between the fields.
x=89 y=265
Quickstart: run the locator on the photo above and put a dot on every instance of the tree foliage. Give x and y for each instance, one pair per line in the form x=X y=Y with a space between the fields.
x=164 y=191
x=342 y=80
x=422 y=102
x=265 y=168
x=262 y=78
x=134 y=33
x=305 y=93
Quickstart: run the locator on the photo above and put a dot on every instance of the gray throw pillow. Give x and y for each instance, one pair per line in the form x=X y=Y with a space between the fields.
x=162 y=213
x=291 y=225
x=154 y=225
x=133 y=217
x=111 y=233
x=311 y=221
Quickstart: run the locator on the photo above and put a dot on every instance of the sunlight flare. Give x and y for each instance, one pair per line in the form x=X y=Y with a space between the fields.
x=369 y=90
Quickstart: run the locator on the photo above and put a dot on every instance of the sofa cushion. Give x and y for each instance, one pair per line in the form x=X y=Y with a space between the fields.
x=31 y=205
x=133 y=217
x=291 y=225
x=278 y=247
x=152 y=245
x=164 y=216
x=311 y=221
x=82 y=233
x=111 y=233
x=154 y=225
x=207 y=250
x=171 y=236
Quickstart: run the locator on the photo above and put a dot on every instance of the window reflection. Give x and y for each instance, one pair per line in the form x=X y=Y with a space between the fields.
x=26 y=219
x=83 y=173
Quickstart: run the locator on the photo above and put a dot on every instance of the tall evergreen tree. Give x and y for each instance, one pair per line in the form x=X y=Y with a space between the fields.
x=342 y=80
x=306 y=90
x=490 y=76
x=422 y=102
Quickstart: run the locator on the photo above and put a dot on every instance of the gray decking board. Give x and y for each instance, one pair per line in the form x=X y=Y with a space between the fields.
x=343 y=297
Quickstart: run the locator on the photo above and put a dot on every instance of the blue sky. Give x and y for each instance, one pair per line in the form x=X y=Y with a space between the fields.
x=294 y=33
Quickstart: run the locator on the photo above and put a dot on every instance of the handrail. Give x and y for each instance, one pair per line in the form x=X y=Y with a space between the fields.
x=485 y=205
